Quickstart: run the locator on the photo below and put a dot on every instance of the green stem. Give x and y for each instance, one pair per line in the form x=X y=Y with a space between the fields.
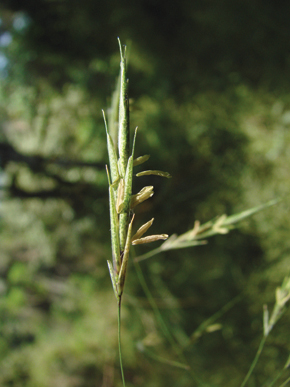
x=148 y=255
x=279 y=374
x=119 y=342
x=286 y=382
x=255 y=361
x=155 y=309
x=164 y=327
x=202 y=327
x=166 y=361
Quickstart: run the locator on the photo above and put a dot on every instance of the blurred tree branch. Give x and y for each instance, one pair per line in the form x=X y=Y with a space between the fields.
x=40 y=165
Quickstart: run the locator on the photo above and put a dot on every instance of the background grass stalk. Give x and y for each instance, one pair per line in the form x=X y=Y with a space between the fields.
x=255 y=361
x=282 y=298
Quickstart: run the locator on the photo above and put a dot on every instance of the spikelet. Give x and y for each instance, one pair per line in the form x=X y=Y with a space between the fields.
x=120 y=178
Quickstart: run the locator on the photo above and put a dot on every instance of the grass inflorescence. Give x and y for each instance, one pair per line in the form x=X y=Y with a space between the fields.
x=122 y=201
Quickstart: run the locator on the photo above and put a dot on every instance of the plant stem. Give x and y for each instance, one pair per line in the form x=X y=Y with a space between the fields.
x=286 y=382
x=211 y=320
x=155 y=309
x=184 y=364
x=255 y=361
x=279 y=374
x=119 y=342
x=148 y=255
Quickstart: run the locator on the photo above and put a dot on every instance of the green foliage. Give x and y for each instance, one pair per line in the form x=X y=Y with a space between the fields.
x=210 y=97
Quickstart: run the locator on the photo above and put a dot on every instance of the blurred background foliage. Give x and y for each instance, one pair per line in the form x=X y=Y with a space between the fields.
x=209 y=91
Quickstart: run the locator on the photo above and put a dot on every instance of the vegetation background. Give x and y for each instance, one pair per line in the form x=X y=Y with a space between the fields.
x=209 y=91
